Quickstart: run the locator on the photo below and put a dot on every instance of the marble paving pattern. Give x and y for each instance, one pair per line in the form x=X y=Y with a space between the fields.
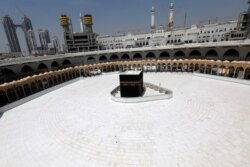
x=205 y=124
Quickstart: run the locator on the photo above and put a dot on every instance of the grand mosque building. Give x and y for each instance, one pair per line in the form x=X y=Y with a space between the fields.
x=193 y=107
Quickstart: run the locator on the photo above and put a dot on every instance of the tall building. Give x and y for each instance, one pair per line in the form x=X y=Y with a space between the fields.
x=56 y=44
x=170 y=26
x=44 y=38
x=10 y=30
x=30 y=39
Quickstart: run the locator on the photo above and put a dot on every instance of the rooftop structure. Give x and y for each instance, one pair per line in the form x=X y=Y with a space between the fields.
x=79 y=41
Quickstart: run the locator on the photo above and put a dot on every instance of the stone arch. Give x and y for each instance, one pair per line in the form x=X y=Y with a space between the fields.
x=59 y=78
x=55 y=80
x=3 y=98
x=179 y=54
x=231 y=71
x=174 y=67
x=164 y=55
x=164 y=67
x=211 y=53
x=231 y=53
x=247 y=73
x=191 y=67
x=180 y=67
x=137 y=56
x=12 y=94
x=66 y=63
x=40 y=85
x=125 y=57
x=239 y=72
x=195 y=53
x=185 y=67
x=169 y=67
x=139 y=66
x=50 y=81
x=91 y=60
x=202 y=68
x=248 y=57
x=45 y=83
x=42 y=67
x=222 y=70
x=150 y=55
x=196 y=67
x=55 y=65
x=34 y=87
x=214 y=69
x=26 y=70
x=20 y=91
x=208 y=69
x=27 y=89
x=114 y=58
x=8 y=74
x=103 y=59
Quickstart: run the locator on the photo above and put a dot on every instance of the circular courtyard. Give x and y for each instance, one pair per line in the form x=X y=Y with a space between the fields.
x=206 y=123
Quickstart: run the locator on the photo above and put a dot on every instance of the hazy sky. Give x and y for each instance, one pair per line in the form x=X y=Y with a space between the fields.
x=113 y=16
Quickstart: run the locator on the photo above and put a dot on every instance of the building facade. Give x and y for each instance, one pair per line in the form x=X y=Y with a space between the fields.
x=44 y=38
x=10 y=31
x=79 y=41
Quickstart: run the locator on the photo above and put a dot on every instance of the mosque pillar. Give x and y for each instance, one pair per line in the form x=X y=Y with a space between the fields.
x=244 y=72
x=234 y=72
x=7 y=96
x=30 y=89
x=23 y=91
x=16 y=94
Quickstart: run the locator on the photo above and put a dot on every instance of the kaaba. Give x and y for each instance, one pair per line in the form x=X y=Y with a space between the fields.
x=131 y=83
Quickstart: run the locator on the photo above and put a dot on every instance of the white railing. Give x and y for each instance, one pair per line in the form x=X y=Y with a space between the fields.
x=222 y=78
x=164 y=95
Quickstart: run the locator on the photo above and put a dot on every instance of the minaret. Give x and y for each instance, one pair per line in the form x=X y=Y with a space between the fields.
x=170 y=25
x=152 y=28
x=81 y=22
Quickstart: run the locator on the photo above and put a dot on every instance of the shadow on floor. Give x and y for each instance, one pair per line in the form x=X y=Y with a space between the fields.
x=1 y=114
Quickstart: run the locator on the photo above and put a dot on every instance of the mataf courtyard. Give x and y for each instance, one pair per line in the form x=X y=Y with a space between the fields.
x=205 y=124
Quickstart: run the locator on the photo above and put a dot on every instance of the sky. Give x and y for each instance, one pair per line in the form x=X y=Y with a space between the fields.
x=112 y=17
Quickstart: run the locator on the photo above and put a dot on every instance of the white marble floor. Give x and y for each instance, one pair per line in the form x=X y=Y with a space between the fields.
x=205 y=124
